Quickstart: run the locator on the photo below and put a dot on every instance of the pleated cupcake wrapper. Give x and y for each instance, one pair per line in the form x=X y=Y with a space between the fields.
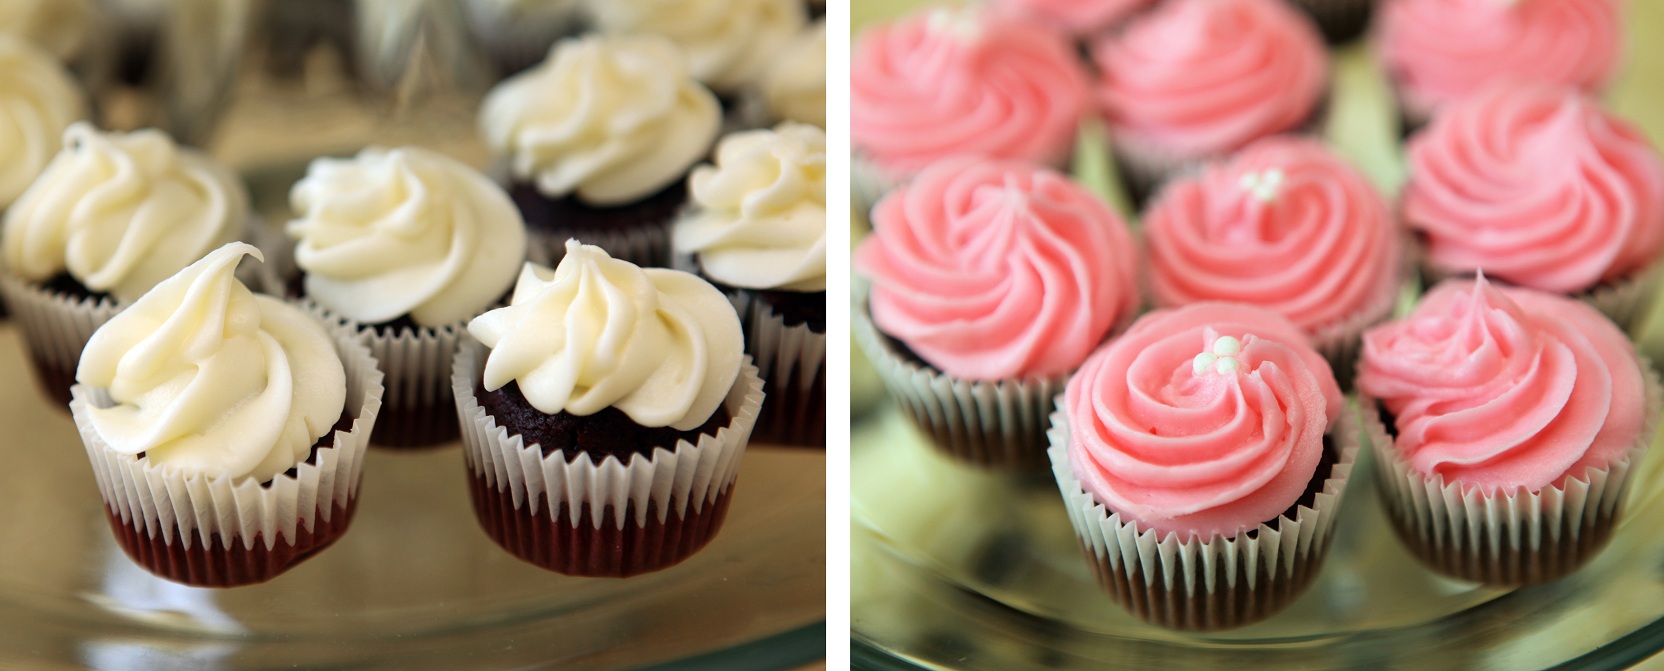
x=1340 y=21
x=170 y=504
x=1516 y=537
x=1625 y=300
x=56 y=328
x=791 y=361
x=1209 y=584
x=682 y=481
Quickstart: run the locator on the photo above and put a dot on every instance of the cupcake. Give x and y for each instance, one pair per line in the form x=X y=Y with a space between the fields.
x=793 y=88
x=1196 y=80
x=112 y=215
x=1285 y=225
x=727 y=44
x=1539 y=187
x=1505 y=423
x=1080 y=18
x=991 y=282
x=604 y=428
x=1439 y=51
x=226 y=429
x=965 y=81
x=404 y=246
x=757 y=230
x=598 y=141
x=1202 y=456
x=40 y=100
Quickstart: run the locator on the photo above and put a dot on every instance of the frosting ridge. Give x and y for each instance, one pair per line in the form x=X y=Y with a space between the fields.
x=38 y=100
x=1078 y=17
x=727 y=43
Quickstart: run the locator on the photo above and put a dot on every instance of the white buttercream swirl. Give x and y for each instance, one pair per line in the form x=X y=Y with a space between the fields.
x=58 y=26
x=121 y=212
x=612 y=120
x=795 y=85
x=404 y=231
x=661 y=345
x=760 y=220
x=209 y=378
x=728 y=43
x=38 y=100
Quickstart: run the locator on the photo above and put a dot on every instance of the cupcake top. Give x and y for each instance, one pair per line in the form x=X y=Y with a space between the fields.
x=1196 y=78
x=1538 y=186
x=1202 y=420
x=608 y=120
x=951 y=82
x=663 y=346
x=1440 y=50
x=993 y=270
x=1498 y=388
x=209 y=378
x=1286 y=225
x=1077 y=17
x=794 y=86
x=759 y=216
x=727 y=43
x=404 y=232
x=121 y=212
x=57 y=26
x=38 y=100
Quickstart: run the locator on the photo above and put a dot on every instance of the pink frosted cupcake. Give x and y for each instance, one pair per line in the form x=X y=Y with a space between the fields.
x=1081 y=18
x=1198 y=79
x=1540 y=187
x=1202 y=456
x=1436 y=51
x=951 y=82
x=1285 y=225
x=991 y=282
x=1506 y=423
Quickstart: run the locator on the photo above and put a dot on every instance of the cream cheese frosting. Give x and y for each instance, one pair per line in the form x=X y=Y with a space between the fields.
x=759 y=220
x=38 y=100
x=726 y=43
x=794 y=87
x=58 y=26
x=663 y=346
x=209 y=378
x=121 y=212
x=608 y=119
x=392 y=232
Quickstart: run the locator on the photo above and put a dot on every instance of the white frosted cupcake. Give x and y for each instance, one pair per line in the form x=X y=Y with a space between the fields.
x=39 y=100
x=728 y=43
x=793 y=88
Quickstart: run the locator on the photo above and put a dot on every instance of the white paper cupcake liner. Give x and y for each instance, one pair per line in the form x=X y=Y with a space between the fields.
x=1205 y=584
x=791 y=361
x=56 y=327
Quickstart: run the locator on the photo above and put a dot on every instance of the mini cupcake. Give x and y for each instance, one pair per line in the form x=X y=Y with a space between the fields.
x=1196 y=80
x=1438 y=51
x=1285 y=225
x=40 y=100
x=112 y=215
x=1081 y=18
x=403 y=247
x=727 y=44
x=951 y=82
x=598 y=141
x=604 y=429
x=1539 y=187
x=793 y=88
x=991 y=282
x=757 y=231
x=1202 y=457
x=1506 y=424
x=226 y=429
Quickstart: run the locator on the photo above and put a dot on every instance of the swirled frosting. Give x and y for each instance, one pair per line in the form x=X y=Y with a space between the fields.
x=794 y=87
x=1196 y=78
x=1498 y=388
x=661 y=345
x=951 y=82
x=404 y=231
x=994 y=270
x=209 y=378
x=1437 y=51
x=38 y=100
x=726 y=43
x=1286 y=225
x=610 y=120
x=121 y=212
x=1538 y=186
x=58 y=26
x=759 y=220
x=1077 y=17
x=1201 y=420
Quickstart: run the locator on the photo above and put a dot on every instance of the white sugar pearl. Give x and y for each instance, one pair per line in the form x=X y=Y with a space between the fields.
x=1227 y=346
x=1226 y=365
x=1202 y=362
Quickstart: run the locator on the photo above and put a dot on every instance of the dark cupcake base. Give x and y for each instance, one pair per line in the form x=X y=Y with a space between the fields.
x=608 y=432
x=637 y=232
x=793 y=415
x=53 y=381
x=416 y=427
x=1340 y=22
x=218 y=561
x=555 y=544
x=1558 y=556
x=1016 y=447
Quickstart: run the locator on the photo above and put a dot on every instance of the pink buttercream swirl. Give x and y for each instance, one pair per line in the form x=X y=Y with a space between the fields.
x=1197 y=78
x=956 y=82
x=1077 y=17
x=997 y=270
x=1498 y=387
x=1538 y=186
x=1182 y=447
x=1442 y=50
x=1286 y=225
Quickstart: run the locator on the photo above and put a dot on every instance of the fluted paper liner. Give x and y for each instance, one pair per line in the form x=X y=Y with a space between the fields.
x=56 y=327
x=1516 y=537
x=1209 y=584
x=791 y=361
